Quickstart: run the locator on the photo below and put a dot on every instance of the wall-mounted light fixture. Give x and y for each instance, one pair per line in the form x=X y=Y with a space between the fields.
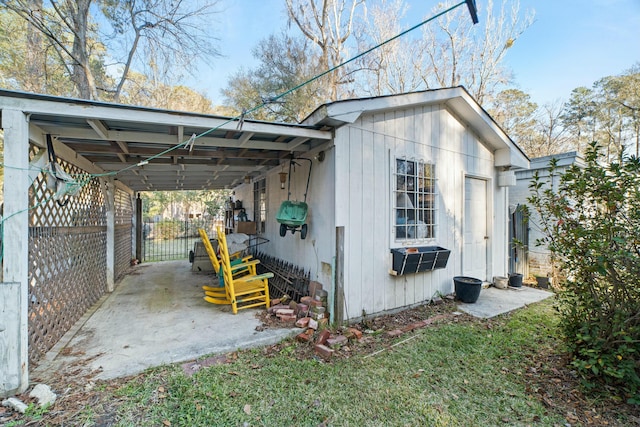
x=283 y=179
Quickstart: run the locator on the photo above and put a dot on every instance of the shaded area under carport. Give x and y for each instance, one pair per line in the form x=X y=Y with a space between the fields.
x=156 y=315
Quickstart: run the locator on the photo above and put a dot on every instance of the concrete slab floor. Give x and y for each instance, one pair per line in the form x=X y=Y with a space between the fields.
x=493 y=301
x=156 y=315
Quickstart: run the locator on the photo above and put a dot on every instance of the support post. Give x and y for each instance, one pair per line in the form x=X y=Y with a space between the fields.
x=139 y=236
x=339 y=291
x=14 y=327
x=134 y=225
x=109 y=193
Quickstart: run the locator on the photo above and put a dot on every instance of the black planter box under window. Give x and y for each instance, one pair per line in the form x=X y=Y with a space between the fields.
x=423 y=258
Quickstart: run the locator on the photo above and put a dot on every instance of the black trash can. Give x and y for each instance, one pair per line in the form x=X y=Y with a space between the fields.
x=467 y=288
x=515 y=280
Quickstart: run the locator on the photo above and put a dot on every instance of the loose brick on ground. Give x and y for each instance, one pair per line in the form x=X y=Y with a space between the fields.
x=323 y=336
x=303 y=322
x=274 y=308
x=313 y=324
x=304 y=337
x=356 y=333
x=288 y=318
x=285 y=312
x=435 y=318
x=323 y=351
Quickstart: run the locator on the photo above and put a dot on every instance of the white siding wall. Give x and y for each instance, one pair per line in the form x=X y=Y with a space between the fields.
x=365 y=153
x=539 y=256
x=316 y=252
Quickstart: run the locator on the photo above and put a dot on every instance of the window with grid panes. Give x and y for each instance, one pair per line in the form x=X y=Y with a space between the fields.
x=414 y=200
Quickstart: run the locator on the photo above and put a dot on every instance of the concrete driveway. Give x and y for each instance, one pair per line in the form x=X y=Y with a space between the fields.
x=493 y=301
x=155 y=316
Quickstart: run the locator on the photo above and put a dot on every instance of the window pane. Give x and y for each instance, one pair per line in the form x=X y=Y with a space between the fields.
x=415 y=200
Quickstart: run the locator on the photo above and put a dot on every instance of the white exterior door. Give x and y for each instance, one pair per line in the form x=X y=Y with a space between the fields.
x=474 y=255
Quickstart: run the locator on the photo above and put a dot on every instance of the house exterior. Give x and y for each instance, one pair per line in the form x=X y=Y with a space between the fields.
x=537 y=257
x=421 y=169
x=415 y=170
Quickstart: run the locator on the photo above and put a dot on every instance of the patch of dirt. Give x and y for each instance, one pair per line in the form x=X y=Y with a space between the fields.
x=552 y=379
x=378 y=333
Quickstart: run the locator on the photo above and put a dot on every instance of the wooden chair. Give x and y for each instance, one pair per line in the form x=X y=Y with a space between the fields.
x=215 y=261
x=218 y=292
x=249 y=290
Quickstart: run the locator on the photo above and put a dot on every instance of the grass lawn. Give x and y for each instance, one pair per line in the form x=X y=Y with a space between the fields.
x=507 y=371
x=455 y=374
x=169 y=249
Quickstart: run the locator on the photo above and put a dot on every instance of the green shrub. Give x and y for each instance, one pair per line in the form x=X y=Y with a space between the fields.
x=592 y=226
x=168 y=229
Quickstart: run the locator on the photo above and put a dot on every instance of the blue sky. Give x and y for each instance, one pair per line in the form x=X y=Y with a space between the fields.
x=571 y=43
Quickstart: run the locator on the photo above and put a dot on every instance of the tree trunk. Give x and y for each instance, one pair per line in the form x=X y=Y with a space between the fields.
x=35 y=56
x=82 y=75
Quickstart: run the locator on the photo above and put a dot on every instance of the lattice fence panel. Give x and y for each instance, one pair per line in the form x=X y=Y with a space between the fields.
x=67 y=258
x=124 y=232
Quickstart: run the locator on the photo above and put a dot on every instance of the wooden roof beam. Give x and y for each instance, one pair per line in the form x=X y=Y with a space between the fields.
x=89 y=148
x=99 y=128
x=123 y=146
x=158 y=138
x=297 y=142
x=246 y=137
x=180 y=134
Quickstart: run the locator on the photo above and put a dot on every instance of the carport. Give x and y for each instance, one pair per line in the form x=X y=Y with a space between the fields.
x=156 y=315
x=60 y=257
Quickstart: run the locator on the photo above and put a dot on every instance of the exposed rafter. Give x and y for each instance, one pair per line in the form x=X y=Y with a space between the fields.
x=143 y=146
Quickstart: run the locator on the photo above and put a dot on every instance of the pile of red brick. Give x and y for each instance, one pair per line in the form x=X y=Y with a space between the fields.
x=312 y=315
x=326 y=342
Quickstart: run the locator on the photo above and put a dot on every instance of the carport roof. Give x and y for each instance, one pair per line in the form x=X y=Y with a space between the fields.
x=104 y=137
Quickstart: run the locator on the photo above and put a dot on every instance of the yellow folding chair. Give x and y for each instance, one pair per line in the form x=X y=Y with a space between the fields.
x=217 y=292
x=250 y=290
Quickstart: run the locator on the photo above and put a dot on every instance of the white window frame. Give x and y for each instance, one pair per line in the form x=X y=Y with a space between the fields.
x=414 y=200
x=260 y=205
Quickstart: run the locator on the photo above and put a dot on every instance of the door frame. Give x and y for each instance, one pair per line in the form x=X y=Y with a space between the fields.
x=490 y=218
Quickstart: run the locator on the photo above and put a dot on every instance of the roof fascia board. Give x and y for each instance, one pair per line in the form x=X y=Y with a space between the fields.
x=349 y=111
x=457 y=99
x=67 y=108
x=562 y=160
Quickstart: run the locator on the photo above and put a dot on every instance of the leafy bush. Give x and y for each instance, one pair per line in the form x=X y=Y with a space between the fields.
x=592 y=227
x=168 y=229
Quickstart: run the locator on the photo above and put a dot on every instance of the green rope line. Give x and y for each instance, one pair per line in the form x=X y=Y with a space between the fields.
x=311 y=80
x=361 y=54
x=244 y=113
